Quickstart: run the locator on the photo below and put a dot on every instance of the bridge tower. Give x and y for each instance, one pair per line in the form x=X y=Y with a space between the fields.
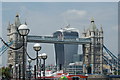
x=15 y=56
x=93 y=52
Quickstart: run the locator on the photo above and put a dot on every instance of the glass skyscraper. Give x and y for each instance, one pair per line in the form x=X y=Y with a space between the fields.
x=64 y=52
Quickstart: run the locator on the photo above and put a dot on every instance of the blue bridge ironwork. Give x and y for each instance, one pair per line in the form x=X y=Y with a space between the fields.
x=4 y=48
x=51 y=39
x=114 y=59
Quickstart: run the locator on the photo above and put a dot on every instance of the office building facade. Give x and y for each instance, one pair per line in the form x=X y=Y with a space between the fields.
x=64 y=52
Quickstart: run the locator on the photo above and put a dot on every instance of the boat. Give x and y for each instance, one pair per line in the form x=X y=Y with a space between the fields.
x=59 y=75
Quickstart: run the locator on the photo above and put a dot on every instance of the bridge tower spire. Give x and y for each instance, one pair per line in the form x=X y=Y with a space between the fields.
x=17 y=20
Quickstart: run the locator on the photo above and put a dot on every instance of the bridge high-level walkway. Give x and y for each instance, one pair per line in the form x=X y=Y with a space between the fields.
x=50 y=39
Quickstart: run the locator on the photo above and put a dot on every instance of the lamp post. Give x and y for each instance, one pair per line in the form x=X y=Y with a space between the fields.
x=23 y=31
x=86 y=76
x=19 y=67
x=19 y=72
x=37 y=48
x=12 y=72
x=16 y=71
x=44 y=57
x=40 y=56
x=29 y=61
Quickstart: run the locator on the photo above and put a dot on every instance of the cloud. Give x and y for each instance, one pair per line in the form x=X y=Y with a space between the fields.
x=74 y=14
x=77 y=12
x=115 y=28
x=60 y=0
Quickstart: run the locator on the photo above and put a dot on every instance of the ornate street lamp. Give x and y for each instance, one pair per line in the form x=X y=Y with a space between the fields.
x=29 y=61
x=23 y=31
x=37 y=48
x=44 y=57
x=40 y=57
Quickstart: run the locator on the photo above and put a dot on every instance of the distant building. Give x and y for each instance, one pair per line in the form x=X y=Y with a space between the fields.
x=77 y=57
x=93 y=52
x=119 y=62
x=64 y=52
x=75 y=68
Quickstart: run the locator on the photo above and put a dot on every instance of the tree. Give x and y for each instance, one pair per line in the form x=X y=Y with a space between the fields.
x=0 y=71
x=116 y=72
x=6 y=72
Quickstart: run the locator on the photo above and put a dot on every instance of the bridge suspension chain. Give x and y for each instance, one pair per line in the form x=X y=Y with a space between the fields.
x=4 y=48
x=109 y=52
x=114 y=58
x=6 y=45
x=9 y=46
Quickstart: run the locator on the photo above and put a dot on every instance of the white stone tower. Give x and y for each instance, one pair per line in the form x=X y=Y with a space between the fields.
x=93 y=52
x=15 y=56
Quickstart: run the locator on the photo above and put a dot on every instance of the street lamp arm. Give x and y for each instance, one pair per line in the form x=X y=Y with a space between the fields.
x=30 y=57
x=9 y=46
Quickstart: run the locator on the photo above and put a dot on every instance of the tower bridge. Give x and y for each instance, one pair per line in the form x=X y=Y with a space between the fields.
x=92 y=46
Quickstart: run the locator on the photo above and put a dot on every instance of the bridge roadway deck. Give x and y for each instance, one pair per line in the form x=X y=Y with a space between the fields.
x=50 y=39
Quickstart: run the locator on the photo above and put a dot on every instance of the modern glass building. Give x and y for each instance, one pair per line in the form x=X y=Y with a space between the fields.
x=77 y=57
x=64 y=52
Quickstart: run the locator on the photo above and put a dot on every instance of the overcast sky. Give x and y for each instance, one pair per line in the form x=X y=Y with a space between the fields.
x=0 y=18
x=45 y=18
x=59 y=0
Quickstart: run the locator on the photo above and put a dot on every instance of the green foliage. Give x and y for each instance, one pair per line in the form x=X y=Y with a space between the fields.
x=5 y=72
x=0 y=71
x=77 y=72
x=116 y=72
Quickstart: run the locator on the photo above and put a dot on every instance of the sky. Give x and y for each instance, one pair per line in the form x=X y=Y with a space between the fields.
x=44 y=18
x=59 y=0
x=0 y=30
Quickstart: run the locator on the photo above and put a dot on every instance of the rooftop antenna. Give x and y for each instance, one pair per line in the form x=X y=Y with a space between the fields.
x=25 y=23
x=68 y=26
x=84 y=29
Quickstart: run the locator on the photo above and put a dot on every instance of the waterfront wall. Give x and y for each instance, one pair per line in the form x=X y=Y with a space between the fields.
x=79 y=79
x=103 y=79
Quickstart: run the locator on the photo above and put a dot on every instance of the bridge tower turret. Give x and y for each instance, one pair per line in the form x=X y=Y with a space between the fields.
x=101 y=48
x=92 y=52
x=8 y=32
x=14 y=56
x=92 y=45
